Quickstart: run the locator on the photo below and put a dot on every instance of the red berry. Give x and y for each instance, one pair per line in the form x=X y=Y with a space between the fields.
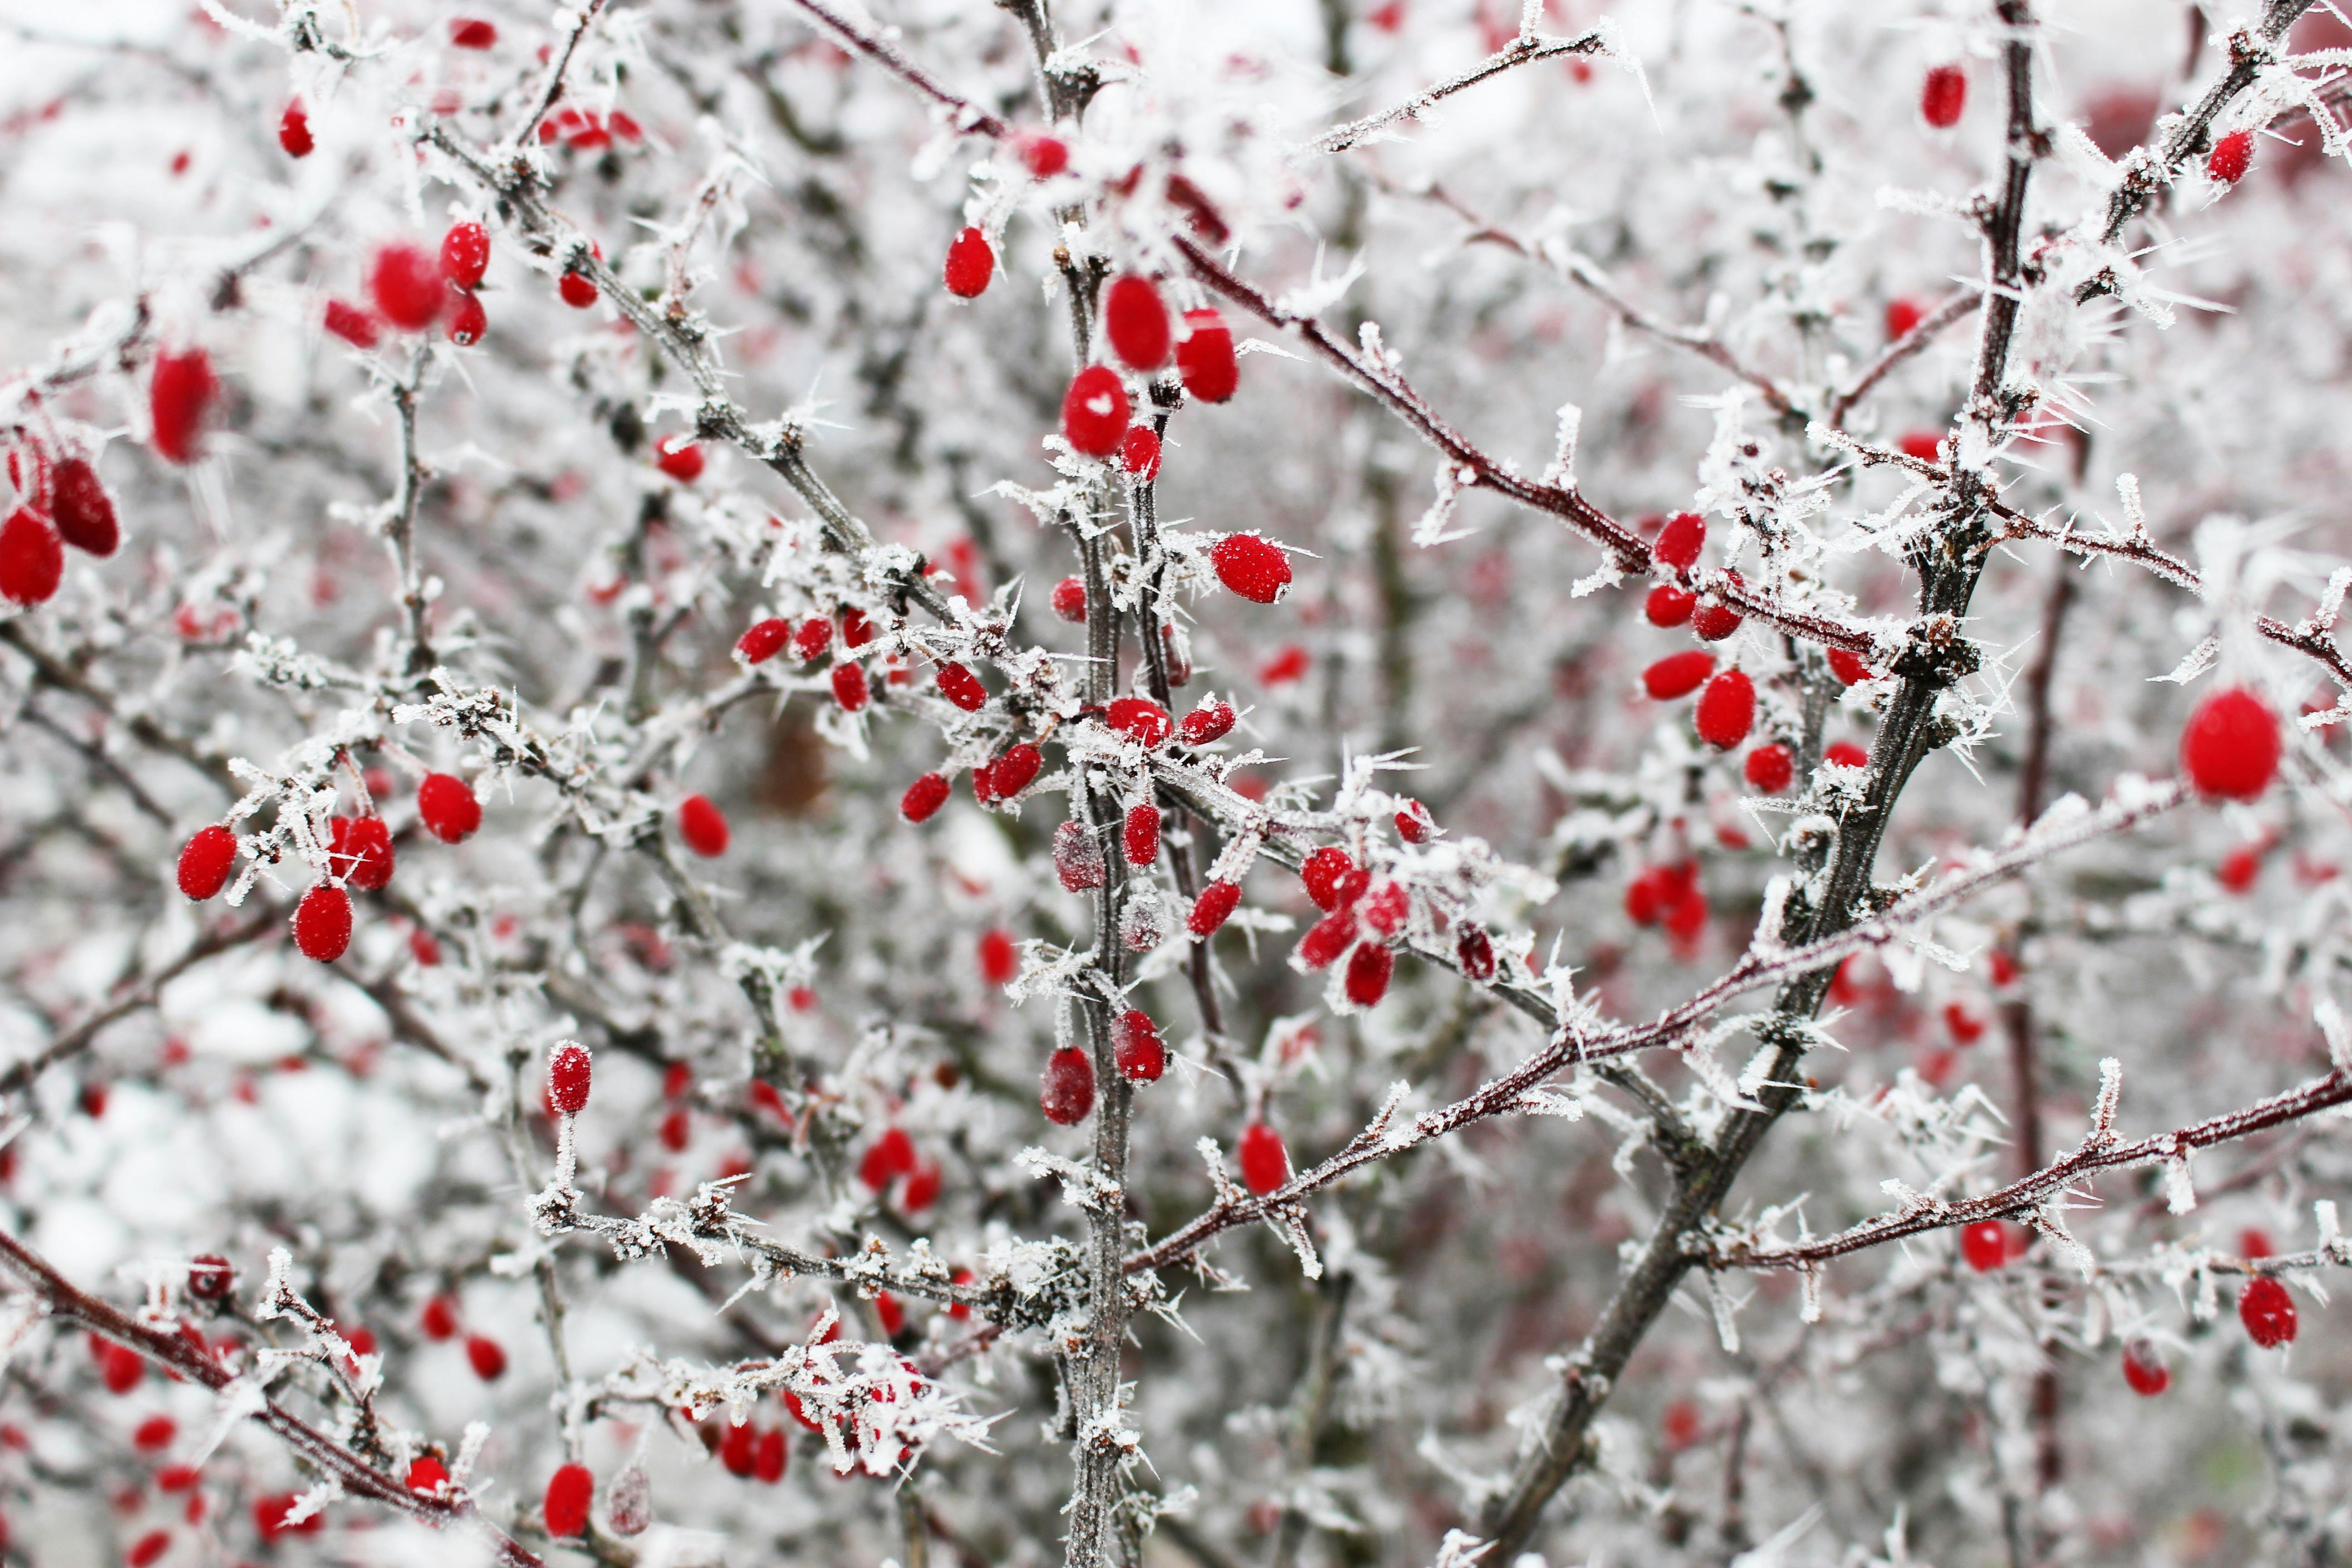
x=2239 y=869
x=1140 y=718
x=1845 y=754
x=294 y=131
x=351 y=324
x=1266 y=1163
x=180 y=394
x=1769 y=768
x=677 y=1130
x=1324 y=871
x=1000 y=960
x=569 y=1074
x=1015 y=771
x=82 y=509
x=1068 y=1090
x=1678 y=674
x=1727 y=709
x=121 y=1368
x=1136 y=323
x=1077 y=858
x=856 y=631
x=1213 y=908
x=1070 y=600
x=763 y=640
x=1680 y=541
x=488 y=1358
x=1095 y=411
x=849 y=688
x=702 y=826
x=1413 y=824
x=2230 y=158
x=961 y=687
x=206 y=861
x=1326 y=939
x=1141 y=838
x=1044 y=156
x=1136 y=1046
x=1368 y=975
x=971 y=264
x=1252 y=567
x=1927 y=446
x=471 y=33
x=1943 y=95
x=1669 y=606
x=155 y=1432
x=1984 y=1245
x=2230 y=749
x=406 y=286
x=439 y=1319
x=358 y=850
x=148 y=1549
x=888 y=1158
x=426 y=1474
x=739 y=1450
x=922 y=1188
x=577 y=289
x=1966 y=1027
x=814 y=640
x=1477 y=953
x=466 y=254
x=209 y=1276
x=448 y=808
x=322 y=924
x=467 y=320
x=924 y=797
x=1902 y=315
x=569 y=1490
x=679 y=457
x=2144 y=1369
x=2256 y=1242
x=774 y=1453
x=269 y=1516
x=1204 y=357
x=1139 y=453
x=1209 y=722
x=1848 y=667
x=173 y=1479
x=2268 y=1312
x=1713 y=620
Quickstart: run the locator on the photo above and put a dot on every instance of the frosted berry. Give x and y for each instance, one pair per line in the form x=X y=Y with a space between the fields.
x=1068 y=1090
x=1077 y=858
x=2268 y=1312
x=1680 y=541
x=1209 y=722
x=702 y=826
x=1713 y=620
x=322 y=924
x=814 y=638
x=1252 y=567
x=1000 y=960
x=1845 y=754
x=206 y=861
x=679 y=457
x=961 y=687
x=1139 y=453
x=1069 y=600
x=1044 y=156
x=1848 y=667
x=210 y=1277
x=1384 y=908
x=1943 y=95
x=1678 y=674
x=467 y=320
x=924 y=797
x=487 y=1356
x=1266 y=1163
x=1140 y=718
x=888 y=1158
x=1669 y=606
x=1368 y=975
x=1324 y=871
x=971 y=264
x=32 y=557
x=180 y=394
x=471 y=33
x=446 y=805
x=856 y=631
x=1769 y=768
x=1213 y=908
x=1413 y=824
x=1727 y=709
x=1135 y=323
x=294 y=131
x=1902 y=315
x=1141 y=837
x=2231 y=156
x=2229 y=748
x=1095 y=411
x=762 y=640
x=1475 y=953
x=358 y=850
x=569 y=1074
x=1136 y=1046
x=353 y=324
x=426 y=1474
x=1326 y=940
x=1984 y=1245
x=564 y=1511
x=849 y=688
x=466 y=254
x=82 y=511
x=1204 y=357
x=577 y=289
x=2144 y=1369
x=406 y=286
x=1015 y=771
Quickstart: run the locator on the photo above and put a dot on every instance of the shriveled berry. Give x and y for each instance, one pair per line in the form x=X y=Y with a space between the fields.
x=446 y=805
x=1015 y=771
x=849 y=688
x=961 y=687
x=1323 y=871
x=2267 y=1310
x=1070 y=600
x=1250 y=566
x=1413 y=824
x=1368 y=975
x=762 y=640
x=1475 y=953
x=2230 y=747
x=294 y=131
x=564 y=1511
x=702 y=826
x=1678 y=674
x=1139 y=453
x=1984 y=1245
x=322 y=924
x=1680 y=541
x=1139 y=718
x=1669 y=606
x=1136 y=1048
x=82 y=511
x=1326 y=940
x=1095 y=411
x=1769 y=768
x=466 y=254
x=487 y=1356
x=1204 y=357
x=1213 y=908
x=924 y=797
x=577 y=289
x=180 y=393
x=1066 y=1092
x=1141 y=837
x=2144 y=1369
x=1209 y=722
x=353 y=324
x=1077 y=858
x=1135 y=323
x=971 y=264
x=1266 y=1163
x=210 y=1277
x=206 y=861
x=358 y=850
x=406 y=286
x=569 y=1074
x=468 y=319
x=1942 y=95
x=2231 y=156
x=1848 y=667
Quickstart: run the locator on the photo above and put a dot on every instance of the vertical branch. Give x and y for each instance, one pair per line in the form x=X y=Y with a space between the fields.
x=1315 y=1386
x=401 y=532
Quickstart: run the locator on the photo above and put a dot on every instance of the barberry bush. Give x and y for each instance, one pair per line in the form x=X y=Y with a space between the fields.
x=1229 y=784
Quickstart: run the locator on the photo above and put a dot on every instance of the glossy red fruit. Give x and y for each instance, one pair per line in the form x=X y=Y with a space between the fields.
x=1902 y=315
x=577 y=289
x=1713 y=620
x=1250 y=566
x=1015 y=771
x=446 y=805
x=1136 y=1048
x=1000 y=959
x=1068 y=1090
x=768 y=1465
x=322 y=924
x=2229 y=748
x=2144 y=1369
x=206 y=861
x=1266 y=1163
x=1135 y=323
x=155 y=1432
x=1368 y=975
x=702 y=826
x=1414 y=824
x=1984 y=1245
x=849 y=688
x=472 y=33
x=121 y=1368
x=1070 y=600
x=1845 y=754
x=814 y=640
x=1678 y=674
x=1095 y=411
x=488 y=1357
x=210 y=1277
x=1141 y=837
x=961 y=687
x=856 y=631
x=406 y=286
x=762 y=640
x=1848 y=667
x=1943 y=95
x=1680 y=541
x=1769 y=768
x=679 y=457
x=468 y=319
x=1669 y=606
x=1139 y=453
x=2268 y=1312
x=426 y=1474
x=2231 y=156
x=564 y=1511
x=1475 y=953
x=1213 y=908
x=1210 y=722
x=82 y=511
x=570 y=1073
x=1077 y=858
x=739 y=1450
x=180 y=393
x=924 y=797
x=294 y=131
x=1204 y=357
x=1324 y=871
x=1044 y=156
x=971 y=264
x=1927 y=446
x=438 y=1320
x=1141 y=718
x=466 y=254
x=358 y=850
x=1326 y=939
x=353 y=324
x=32 y=557
x=888 y=1158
